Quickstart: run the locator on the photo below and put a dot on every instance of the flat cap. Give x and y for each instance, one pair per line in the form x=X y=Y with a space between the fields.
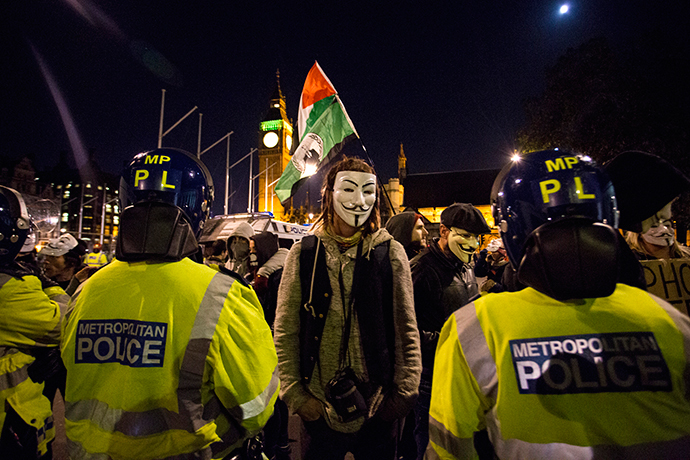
x=465 y=216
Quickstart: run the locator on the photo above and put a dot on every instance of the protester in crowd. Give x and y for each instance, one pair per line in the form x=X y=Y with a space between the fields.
x=31 y=307
x=208 y=251
x=554 y=351
x=345 y=330
x=96 y=258
x=238 y=249
x=491 y=263
x=443 y=281
x=63 y=259
x=218 y=253
x=659 y=242
x=28 y=256
x=646 y=187
x=165 y=357
x=266 y=261
x=408 y=229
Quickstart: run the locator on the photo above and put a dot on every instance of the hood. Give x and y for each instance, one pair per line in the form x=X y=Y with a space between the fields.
x=400 y=227
x=244 y=230
x=266 y=244
x=275 y=263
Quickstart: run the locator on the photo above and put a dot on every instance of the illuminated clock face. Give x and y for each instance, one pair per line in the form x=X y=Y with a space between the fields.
x=288 y=141
x=271 y=139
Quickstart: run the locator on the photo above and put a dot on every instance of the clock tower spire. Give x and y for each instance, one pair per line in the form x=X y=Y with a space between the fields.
x=275 y=142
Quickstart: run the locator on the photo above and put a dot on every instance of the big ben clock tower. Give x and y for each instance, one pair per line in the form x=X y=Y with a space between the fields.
x=275 y=141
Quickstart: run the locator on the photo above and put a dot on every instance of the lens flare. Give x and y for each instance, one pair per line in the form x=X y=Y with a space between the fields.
x=80 y=155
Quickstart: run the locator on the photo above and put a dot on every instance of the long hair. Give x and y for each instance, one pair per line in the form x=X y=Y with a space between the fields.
x=634 y=240
x=373 y=223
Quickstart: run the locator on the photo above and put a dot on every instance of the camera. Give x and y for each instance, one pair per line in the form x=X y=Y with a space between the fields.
x=342 y=393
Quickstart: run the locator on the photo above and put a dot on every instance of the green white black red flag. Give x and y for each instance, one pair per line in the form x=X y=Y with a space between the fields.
x=323 y=127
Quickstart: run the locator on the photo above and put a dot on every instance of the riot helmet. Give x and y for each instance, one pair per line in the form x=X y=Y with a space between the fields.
x=547 y=186
x=557 y=214
x=166 y=195
x=170 y=176
x=15 y=224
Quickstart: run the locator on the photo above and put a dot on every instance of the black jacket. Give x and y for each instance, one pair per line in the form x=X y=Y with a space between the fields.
x=442 y=284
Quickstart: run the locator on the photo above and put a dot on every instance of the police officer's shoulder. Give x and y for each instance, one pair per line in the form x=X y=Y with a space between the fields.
x=228 y=272
x=17 y=270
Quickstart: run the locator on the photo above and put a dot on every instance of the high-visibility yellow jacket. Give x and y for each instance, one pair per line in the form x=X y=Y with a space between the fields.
x=96 y=259
x=165 y=359
x=596 y=378
x=30 y=318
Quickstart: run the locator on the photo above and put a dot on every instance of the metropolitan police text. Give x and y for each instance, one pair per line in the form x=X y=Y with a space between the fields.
x=590 y=363
x=127 y=342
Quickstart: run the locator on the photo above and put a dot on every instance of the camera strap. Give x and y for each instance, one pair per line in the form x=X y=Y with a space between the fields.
x=347 y=311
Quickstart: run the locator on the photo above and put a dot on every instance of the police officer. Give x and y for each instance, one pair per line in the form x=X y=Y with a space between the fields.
x=576 y=365
x=165 y=357
x=96 y=258
x=31 y=308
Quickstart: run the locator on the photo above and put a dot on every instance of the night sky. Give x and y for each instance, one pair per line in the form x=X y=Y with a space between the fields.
x=447 y=79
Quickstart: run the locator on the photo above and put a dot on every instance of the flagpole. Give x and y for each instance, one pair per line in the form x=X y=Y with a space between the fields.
x=388 y=199
x=251 y=172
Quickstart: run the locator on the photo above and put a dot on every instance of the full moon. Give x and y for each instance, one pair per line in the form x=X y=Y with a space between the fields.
x=564 y=9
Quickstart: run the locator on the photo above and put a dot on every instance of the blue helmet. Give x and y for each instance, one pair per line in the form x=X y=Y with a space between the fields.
x=170 y=176
x=548 y=186
x=15 y=224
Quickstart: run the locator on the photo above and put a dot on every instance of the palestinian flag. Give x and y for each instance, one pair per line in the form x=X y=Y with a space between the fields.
x=323 y=127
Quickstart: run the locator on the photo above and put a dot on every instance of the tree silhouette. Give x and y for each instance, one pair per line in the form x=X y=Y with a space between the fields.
x=602 y=102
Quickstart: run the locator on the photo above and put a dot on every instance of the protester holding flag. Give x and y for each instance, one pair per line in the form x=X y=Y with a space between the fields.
x=345 y=330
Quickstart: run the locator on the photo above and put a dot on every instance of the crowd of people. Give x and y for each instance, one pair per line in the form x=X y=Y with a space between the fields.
x=387 y=344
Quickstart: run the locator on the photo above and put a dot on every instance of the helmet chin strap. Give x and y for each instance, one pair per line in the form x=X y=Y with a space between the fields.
x=154 y=231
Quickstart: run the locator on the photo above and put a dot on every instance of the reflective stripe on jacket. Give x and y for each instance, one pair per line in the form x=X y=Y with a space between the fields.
x=598 y=378
x=30 y=319
x=163 y=360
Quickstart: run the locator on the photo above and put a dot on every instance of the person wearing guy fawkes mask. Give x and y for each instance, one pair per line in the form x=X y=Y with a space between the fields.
x=346 y=316
x=238 y=249
x=659 y=240
x=443 y=281
x=646 y=188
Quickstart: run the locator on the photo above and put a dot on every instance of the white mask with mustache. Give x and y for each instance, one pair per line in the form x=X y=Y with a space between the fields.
x=462 y=243
x=354 y=196
x=660 y=235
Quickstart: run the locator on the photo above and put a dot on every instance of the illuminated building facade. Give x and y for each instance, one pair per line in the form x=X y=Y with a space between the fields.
x=275 y=142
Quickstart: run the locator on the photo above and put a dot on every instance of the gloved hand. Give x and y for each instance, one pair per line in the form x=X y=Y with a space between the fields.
x=260 y=284
x=487 y=285
x=47 y=364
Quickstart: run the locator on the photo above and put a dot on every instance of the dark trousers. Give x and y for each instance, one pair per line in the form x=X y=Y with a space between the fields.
x=376 y=440
x=407 y=445
x=421 y=413
x=276 y=430
x=482 y=444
